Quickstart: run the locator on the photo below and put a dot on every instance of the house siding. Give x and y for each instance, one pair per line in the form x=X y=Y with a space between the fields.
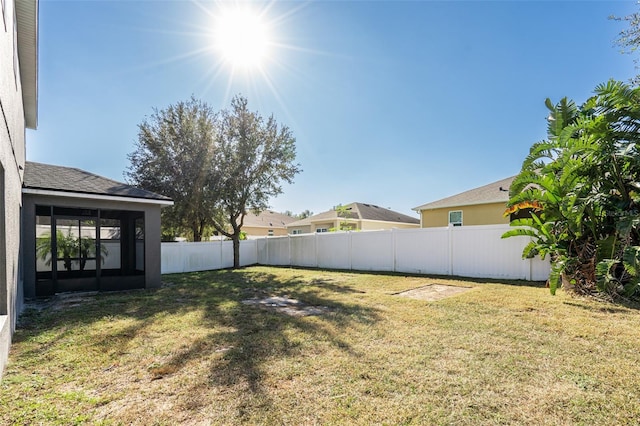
x=479 y=214
x=379 y=225
x=12 y=161
x=255 y=231
x=323 y=225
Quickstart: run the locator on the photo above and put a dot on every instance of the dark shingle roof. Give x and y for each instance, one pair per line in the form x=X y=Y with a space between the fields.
x=496 y=192
x=373 y=212
x=360 y=211
x=68 y=179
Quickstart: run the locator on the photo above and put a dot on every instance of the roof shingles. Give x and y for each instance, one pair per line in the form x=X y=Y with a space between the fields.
x=496 y=192
x=359 y=211
x=68 y=179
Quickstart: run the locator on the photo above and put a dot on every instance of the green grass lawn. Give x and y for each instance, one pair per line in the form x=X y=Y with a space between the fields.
x=192 y=353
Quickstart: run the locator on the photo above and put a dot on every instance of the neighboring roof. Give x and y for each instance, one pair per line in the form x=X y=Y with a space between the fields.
x=267 y=219
x=27 y=29
x=359 y=211
x=38 y=176
x=496 y=192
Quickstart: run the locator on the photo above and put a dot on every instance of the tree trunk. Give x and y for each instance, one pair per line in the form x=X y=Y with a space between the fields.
x=236 y=250
x=197 y=236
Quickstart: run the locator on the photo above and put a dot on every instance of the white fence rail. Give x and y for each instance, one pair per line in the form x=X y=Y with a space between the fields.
x=204 y=256
x=469 y=251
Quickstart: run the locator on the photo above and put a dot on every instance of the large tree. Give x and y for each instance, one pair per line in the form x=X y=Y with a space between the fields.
x=172 y=155
x=253 y=158
x=215 y=166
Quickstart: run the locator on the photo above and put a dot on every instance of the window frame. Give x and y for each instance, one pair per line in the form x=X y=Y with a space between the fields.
x=455 y=223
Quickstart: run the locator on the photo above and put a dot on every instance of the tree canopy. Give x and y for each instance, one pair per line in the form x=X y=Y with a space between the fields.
x=216 y=166
x=172 y=155
x=253 y=158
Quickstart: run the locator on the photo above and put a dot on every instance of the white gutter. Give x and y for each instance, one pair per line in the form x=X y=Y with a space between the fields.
x=26 y=12
x=83 y=196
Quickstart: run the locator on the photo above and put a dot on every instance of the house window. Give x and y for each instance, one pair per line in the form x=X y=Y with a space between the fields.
x=322 y=230
x=455 y=218
x=270 y=232
x=296 y=232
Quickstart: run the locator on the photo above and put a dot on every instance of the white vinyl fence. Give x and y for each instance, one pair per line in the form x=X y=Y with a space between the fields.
x=468 y=251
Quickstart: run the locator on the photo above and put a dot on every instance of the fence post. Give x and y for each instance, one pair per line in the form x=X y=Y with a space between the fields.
x=350 y=242
x=450 y=248
x=315 y=243
x=393 y=248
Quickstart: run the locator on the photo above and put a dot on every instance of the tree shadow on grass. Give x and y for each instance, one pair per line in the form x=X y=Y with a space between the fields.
x=238 y=341
x=604 y=306
x=262 y=335
x=471 y=280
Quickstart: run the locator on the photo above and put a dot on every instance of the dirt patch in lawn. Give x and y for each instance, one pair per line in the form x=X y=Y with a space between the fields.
x=433 y=292
x=287 y=306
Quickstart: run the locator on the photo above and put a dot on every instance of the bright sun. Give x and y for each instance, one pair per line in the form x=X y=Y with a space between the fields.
x=241 y=37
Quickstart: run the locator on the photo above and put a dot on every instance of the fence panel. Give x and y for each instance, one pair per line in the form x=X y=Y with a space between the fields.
x=471 y=251
x=423 y=251
x=539 y=268
x=278 y=251
x=171 y=261
x=479 y=251
x=248 y=252
x=303 y=250
x=261 y=251
x=190 y=257
x=372 y=251
x=334 y=251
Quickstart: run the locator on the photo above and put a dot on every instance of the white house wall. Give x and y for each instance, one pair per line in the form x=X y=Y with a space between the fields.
x=12 y=159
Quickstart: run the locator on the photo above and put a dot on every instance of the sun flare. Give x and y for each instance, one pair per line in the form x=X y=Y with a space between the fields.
x=241 y=37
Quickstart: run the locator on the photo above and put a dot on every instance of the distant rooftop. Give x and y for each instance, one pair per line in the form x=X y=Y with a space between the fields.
x=38 y=176
x=496 y=192
x=267 y=219
x=360 y=211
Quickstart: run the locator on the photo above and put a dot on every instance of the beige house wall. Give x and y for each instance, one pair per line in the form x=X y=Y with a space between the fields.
x=368 y=225
x=357 y=225
x=260 y=231
x=328 y=225
x=480 y=214
x=306 y=229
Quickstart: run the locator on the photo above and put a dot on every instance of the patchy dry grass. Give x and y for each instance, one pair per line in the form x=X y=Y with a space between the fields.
x=192 y=353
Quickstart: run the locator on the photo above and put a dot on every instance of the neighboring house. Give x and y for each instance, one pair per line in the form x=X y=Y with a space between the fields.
x=266 y=224
x=107 y=233
x=480 y=206
x=356 y=216
x=18 y=110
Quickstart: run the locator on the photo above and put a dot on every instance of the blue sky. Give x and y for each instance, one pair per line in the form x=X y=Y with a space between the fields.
x=391 y=103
